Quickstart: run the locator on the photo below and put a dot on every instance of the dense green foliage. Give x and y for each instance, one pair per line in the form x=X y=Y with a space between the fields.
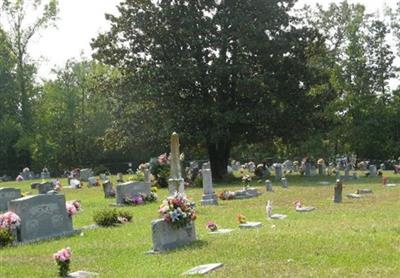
x=237 y=79
x=110 y=217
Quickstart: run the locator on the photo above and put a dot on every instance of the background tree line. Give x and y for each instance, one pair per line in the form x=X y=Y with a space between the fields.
x=237 y=79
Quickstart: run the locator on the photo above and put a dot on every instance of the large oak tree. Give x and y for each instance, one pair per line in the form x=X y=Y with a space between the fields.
x=219 y=72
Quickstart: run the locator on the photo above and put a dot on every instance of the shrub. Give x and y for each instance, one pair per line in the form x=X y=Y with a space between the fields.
x=125 y=214
x=6 y=237
x=111 y=217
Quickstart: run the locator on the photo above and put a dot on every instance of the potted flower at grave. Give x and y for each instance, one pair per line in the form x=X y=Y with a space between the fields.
x=63 y=259
x=9 y=223
x=160 y=169
x=73 y=207
x=241 y=218
x=212 y=226
x=178 y=211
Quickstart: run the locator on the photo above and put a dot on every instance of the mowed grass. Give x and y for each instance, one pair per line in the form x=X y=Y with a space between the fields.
x=358 y=238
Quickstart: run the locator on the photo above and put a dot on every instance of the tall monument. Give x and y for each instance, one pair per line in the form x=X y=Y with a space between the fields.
x=176 y=182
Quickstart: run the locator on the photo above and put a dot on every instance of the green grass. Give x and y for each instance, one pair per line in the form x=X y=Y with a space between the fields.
x=358 y=238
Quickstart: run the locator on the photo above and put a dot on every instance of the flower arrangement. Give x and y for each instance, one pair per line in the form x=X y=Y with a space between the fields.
x=140 y=199
x=297 y=204
x=63 y=259
x=241 y=218
x=134 y=200
x=212 y=226
x=73 y=207
x=178 y=211
x=246 y=179
x=9 y=222
x=160 y=169
x=227 y=195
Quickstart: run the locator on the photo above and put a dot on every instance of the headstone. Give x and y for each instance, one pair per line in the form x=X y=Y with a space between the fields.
x=81 y=274
x=42 y=217
x=221 y=231
x=338 y=192
x=308 y=169
x=372 y=170
x=166 y=237
x=321 y=170
x=248 y=192
x=130 y=189
x=268 y=209
x=85 y=174
x=6 y=195
x=203 y=269
x=305 y=209
x=284 y=183
x=278 y=216
x=103 y=177
x=108 y=189
x=45 y=187
x=45 y=175
x=147 y=175
x=268 y=185
x=347 y=172
x=92 y=181
x=74 y=183
x=337 y=172
x=364 y=191
x=176 y=182
x=209 y=197
x=250 y=225
x=354 y=196
x=278 y=171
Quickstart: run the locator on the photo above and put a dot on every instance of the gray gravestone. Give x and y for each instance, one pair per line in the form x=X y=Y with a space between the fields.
x=308 y=169
x=250 y=225
x=203 y=269
x=338 y=192
x=42 y=217
x=347 y=172
x=209 y=197
x=81 y=274
x=268 y=185
x=284 y=183
x=85 y=174
x=147 y=177
x=130 y=189
x=92 y=181
x=166 y=237
x=45 y=175
x=108 y=189
x=45 y=187
x=278 y=171
x=372 y=170
x=6 y=195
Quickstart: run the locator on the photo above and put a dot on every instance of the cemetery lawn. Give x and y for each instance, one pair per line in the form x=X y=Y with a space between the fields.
x=358 y=238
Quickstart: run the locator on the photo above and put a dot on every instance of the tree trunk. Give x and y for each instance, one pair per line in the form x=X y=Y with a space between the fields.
x=219 y=155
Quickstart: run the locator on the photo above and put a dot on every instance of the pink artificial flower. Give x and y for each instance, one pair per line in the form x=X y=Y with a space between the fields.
x=162 y=159
x=63 y=255
x=71 y=209
x=9 y=220
x=297 y=204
